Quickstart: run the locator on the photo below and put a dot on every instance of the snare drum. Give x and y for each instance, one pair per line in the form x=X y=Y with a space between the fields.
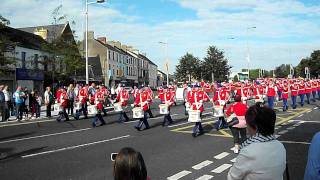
x=194 y=116
x=57 y=107
x=218 y=111
x=163 y=109
x=221 y=102
x=137 y=113
x=92 y=110
x=117 y=107
x=77 y=105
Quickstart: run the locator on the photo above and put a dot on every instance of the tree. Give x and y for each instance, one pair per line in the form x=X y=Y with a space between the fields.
x=254 y=73
x=282 y=71
x=312 y=62
x=215 y=63
x=64 y=50
x=189 y=66
x=6 y=46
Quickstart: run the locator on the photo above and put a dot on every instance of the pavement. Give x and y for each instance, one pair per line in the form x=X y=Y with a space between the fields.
x=46 y=149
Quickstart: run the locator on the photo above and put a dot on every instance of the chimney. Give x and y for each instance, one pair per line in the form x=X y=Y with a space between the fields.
x=90 y=35
x=102 y=40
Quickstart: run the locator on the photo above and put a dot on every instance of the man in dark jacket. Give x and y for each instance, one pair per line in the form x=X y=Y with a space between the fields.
x=2 y=104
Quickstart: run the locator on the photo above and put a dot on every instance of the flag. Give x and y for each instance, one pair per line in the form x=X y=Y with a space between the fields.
x=166 y=66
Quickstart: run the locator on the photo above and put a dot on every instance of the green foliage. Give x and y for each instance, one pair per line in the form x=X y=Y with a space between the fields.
x=188 y=66
x=4 y=48
x=235 y=78
x=313 y=62
x=254 y=73
x=215 y=63
x=282 y=71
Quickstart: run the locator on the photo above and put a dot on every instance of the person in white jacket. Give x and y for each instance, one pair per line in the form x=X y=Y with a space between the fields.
x=261 y=157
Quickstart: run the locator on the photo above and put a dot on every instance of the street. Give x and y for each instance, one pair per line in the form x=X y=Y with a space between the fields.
x=75 y=150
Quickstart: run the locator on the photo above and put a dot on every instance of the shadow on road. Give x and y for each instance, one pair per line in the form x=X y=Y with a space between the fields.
x=7 y=156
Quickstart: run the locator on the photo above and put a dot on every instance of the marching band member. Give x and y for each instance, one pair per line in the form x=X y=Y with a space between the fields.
x=196 y=100
x=301 y=92
x=83 y=97
x=123 y=98
x=134 y=92
x=314 y=89
x=172 y=90
x=280 y=89
x=271 y=93
x=106 y=101
x=167 y=99
x=308 y=90
x=220 y=98
x=63 y=99
x=150 y=97
x=319 y=89
x=294 y=87
x=285 y=95
x=98 y=101
x=142 y=102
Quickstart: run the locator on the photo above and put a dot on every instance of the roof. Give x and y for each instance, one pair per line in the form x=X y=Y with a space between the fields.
x=150 y=62
x=22 y=38
x=54 y=30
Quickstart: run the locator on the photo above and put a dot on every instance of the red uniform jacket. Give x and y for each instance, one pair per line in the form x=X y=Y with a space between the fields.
x=221 y=94
x=83 y=95
x=271 y=91
x=285 y=92
x=308 y=87
x=301 y=88
x=63 y=99
x=99 y=99
x=196 y=99
x=294 y=89
x=123 y=97
x=168 y=98
x=142 y=100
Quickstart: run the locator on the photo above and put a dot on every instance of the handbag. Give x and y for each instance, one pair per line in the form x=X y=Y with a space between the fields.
x=232 y=119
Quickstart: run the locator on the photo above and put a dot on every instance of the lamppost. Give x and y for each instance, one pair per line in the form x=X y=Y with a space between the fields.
x=87 y=63
x=248 y=52
x=167 y=61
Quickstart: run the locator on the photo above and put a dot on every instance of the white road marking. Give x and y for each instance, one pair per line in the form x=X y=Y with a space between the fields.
x=23 y=123
x=190 y=122
x=74 y=147
x=296 y=125
x=221 y=155
x=150 y=119
x=277 y=127
x=221 y=168
x=205 y=177
x=315 y=108
x=277 y=135
x=309 y=111
x=233 y=160
x=296 y=142
x=283 y=132
x=179 y=175
x=284 y=123
x=300 y=115
x=202 y=165
x=46 y=135
x=290 y=128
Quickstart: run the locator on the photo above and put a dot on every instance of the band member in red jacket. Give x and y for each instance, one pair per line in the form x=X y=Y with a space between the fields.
x=98 y=101
x=294 y=87
x=308 y=87
x=167 y=99
x=63 y=99
x=302 y=91
x=83 y=96
x=150 y=98
x=314 y=89
x=285 y=95
x=220 y=98
x=123 y=97
x=142 y=101
x=196 y=99
x=271 y=93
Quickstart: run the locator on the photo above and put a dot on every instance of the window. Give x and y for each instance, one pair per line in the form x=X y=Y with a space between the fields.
x=112 y=55
x=23 y=60
x=36 y=56
x=109 y=67
x=109 y=55
x=45 y=59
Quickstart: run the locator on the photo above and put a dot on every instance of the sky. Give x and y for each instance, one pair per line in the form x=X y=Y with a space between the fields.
x=286 y=30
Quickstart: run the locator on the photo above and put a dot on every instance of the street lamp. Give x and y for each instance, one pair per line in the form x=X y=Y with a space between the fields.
x=248 y=52
x=167 y=61
x=87 y=63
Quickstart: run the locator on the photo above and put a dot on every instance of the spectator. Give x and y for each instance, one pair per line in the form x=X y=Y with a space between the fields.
x=261 y=156
x=8 y=103
x=48 y=100
x=32 y=102
x=19 y=101
x=2 y=104
x=313 y=165
x=129 y=164
x=26 y=104
x=239 y=109
x=71 y=95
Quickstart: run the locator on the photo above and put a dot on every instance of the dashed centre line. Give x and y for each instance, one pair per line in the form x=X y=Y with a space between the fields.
x=221 y=168
x=283 y=132
x=202 y=165
x=205 y=177
x=179 y=175
x=221 y=155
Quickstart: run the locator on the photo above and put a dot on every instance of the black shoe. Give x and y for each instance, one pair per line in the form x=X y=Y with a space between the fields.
x=200 y=133
x=170 y=123
x=137 y=128
x=102 y=124
x=67 y=120
x=194 y=135
x=146 y=128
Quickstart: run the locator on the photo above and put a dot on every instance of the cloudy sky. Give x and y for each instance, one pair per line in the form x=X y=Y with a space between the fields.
x=286 y=30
